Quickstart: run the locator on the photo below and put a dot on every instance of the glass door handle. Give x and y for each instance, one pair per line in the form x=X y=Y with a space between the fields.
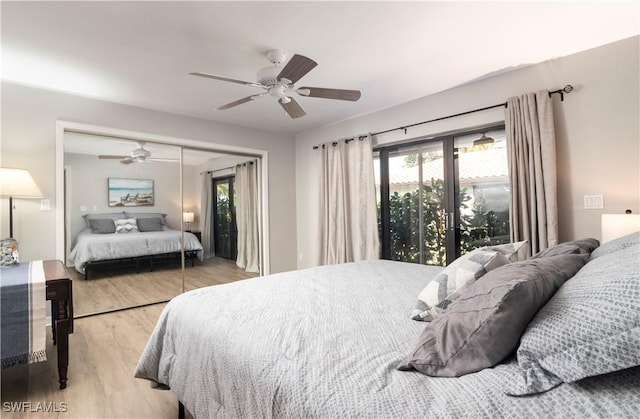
x=449 y=222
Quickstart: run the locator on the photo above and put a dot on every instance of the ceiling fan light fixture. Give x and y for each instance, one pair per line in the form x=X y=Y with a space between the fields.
x=269 y=75
x=484 y=140
x=140 y=153
x=279 y=81
x=277 y=92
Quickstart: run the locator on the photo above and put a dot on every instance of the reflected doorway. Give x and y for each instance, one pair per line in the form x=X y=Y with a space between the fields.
x=225 y=230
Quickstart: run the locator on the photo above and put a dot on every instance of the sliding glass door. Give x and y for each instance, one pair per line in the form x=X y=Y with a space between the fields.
x=442 y=197
x=224 y=218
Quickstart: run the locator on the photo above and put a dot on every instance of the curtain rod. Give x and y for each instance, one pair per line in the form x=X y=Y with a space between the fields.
x=566 y=89
x=226 y=168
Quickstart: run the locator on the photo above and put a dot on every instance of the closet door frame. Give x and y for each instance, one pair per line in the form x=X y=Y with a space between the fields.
x=261 y=155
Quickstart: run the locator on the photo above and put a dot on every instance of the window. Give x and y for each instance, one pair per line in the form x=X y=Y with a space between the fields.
x=442 y=197
x=225 y=230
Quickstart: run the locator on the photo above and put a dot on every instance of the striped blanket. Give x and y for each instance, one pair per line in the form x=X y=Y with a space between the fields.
x=22 y=314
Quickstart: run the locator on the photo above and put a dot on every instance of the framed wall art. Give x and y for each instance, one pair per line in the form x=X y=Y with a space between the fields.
x=130 y=192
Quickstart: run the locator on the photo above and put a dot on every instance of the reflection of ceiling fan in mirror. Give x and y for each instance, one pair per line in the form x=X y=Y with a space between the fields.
x=278 y=82
x=138 y=155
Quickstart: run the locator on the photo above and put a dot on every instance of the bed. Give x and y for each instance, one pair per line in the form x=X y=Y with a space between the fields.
x=124 y=237
x=340 y=341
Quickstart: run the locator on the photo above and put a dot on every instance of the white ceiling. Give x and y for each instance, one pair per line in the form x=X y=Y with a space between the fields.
x=95 y=145
x=140 y=53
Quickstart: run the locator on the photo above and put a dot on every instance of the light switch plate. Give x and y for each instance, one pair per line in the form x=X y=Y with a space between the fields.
x=593 y=202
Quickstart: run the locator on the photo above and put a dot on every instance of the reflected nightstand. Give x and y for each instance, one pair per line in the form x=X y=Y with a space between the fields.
x=197 y=233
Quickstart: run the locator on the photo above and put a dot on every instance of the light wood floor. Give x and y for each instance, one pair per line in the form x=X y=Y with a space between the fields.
x=104 y=352
x=115 y=288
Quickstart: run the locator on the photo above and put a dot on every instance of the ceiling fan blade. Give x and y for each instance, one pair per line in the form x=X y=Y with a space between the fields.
x=213 y=76
x=163 y=160
x=296 y=68
x=239 y=102
x=127 y=160
x=292 y=108
x=109 y=157
x=340 y=94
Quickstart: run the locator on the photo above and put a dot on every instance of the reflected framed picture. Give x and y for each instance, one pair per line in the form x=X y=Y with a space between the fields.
x=130 y=192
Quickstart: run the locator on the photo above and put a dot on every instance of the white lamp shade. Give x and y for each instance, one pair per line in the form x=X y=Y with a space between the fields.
x=18 y=183
x=188 y=217
x=618 y=225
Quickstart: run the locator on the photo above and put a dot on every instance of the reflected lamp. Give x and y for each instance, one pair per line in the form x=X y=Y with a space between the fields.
x=188 y=217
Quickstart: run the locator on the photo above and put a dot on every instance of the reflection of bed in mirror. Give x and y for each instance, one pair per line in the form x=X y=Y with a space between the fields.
x=138 y=239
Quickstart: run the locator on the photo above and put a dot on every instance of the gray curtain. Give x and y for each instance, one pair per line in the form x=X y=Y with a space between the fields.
x=247 y=219
x=206 y=212
x=531 y=148
x=348 y=224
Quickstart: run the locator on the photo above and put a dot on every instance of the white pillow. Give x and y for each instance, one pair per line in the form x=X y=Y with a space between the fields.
x=126 y=225
x=513 y=251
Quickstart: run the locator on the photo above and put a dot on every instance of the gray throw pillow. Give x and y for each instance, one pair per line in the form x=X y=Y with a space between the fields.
x=576 y=247
x=149 y=224
x=483 y=326
x=102 y=226
x=159 y=215
x=591 y=326
x=102 y=216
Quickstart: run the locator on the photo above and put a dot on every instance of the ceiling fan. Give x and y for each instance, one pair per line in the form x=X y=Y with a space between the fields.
x=138 y=155
x=279 y=83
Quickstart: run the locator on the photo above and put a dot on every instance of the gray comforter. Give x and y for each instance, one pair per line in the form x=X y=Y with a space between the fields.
x=88 y=247
x=325 y=343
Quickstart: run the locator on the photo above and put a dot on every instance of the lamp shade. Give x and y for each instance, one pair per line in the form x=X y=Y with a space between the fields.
x=18 y=183
x=188 y=216
x=618 y=225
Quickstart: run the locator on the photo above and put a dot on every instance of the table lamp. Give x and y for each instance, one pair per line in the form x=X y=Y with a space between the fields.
x=17 y=183
x=618 y=225
x=188 y=217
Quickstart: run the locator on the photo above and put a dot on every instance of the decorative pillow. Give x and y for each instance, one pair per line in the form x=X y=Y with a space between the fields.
x=483 y=326
x=102 y=226
x=440 y=291
x=102 y=216
x=149 y=224
x=616 y=245
x=591 y=326
x=159 y=215
x=576 y=247
x=125 y=225
x=513 y=251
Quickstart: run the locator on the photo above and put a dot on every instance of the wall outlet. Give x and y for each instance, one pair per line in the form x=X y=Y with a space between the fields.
x=593 y=202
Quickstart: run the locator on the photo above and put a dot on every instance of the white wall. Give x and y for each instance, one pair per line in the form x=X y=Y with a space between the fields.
x=29 y=118
x=86 y=181
x=597 y=126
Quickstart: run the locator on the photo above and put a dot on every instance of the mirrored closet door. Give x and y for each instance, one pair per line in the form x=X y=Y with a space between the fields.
x=123 y=216
x=142 y=220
